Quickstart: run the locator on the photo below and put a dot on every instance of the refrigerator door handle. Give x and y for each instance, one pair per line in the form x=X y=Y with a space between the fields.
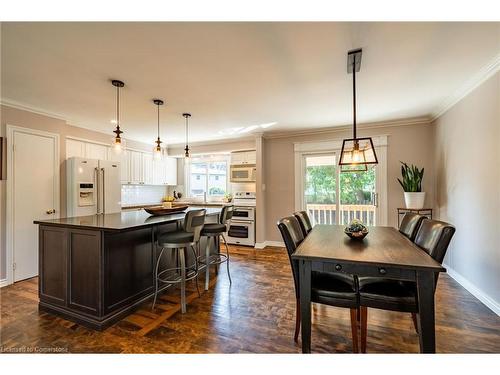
x=97 y=189
x=103 y=184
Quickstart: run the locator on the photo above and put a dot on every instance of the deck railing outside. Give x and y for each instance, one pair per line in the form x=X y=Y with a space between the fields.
x=326 y=213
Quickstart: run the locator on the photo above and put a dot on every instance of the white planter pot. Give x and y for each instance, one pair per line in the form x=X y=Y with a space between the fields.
x=414 y=201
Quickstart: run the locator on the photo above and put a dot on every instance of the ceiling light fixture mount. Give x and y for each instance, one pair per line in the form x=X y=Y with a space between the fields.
x=118 y=143
x=357 y=153
x=157 y=151
x=186 y=149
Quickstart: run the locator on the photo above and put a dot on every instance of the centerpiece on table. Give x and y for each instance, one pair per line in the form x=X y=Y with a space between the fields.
x=356 y=230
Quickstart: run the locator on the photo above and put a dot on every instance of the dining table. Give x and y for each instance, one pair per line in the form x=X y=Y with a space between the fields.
x=384 y=252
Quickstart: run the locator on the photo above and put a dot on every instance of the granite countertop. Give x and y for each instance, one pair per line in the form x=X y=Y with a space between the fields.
x=122 y=221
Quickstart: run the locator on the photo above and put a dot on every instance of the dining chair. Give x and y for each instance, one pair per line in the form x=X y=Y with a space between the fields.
x=326 y=288
x=410 y=224
x=433 y=237
x=304 y=222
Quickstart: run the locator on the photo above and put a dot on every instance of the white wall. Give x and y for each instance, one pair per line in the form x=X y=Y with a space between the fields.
x=467 y=141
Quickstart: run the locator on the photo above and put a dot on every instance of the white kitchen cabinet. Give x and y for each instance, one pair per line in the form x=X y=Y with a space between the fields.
x=75 y=148
x=159 y=172
x=171 y=171
x=243 y=157
x=135 y=161
x=147 y=168
x=96 y=151
x=124 y=159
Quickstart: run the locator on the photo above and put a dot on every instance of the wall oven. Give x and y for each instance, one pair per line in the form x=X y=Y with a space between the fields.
x=242 y=173
x=242 y=227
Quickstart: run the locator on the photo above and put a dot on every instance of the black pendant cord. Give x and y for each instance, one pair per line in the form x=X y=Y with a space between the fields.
x=118 y=107
x=158 y=106
x=354 y=94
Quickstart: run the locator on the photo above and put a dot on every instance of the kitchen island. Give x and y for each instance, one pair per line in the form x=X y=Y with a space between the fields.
x=96 y=269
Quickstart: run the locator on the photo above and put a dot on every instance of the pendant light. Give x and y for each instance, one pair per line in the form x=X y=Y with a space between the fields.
x=186 y=149
x=117 y=144
x=357 y=153
x=157 y=151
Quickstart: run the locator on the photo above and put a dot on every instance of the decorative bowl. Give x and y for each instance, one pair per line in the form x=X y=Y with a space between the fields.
x=357 y=235
x=160 y=210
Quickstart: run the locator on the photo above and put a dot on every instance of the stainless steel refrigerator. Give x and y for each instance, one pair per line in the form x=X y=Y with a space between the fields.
x=93 y=186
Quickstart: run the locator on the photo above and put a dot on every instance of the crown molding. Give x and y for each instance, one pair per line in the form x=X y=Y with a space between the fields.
x=365 y=126
x=24 y=107
x=470 y=85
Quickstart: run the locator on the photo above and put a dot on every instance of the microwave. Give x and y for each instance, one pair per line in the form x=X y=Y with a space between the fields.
x=242 y=173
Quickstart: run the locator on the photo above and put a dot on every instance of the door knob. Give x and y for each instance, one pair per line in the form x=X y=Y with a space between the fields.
x=50 y=212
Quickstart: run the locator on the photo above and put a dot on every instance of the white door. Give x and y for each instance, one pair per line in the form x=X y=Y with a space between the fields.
x=75 y=148
x=33 y=193
x=334 y=197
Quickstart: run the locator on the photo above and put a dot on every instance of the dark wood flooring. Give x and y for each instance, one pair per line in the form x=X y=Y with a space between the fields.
x=254 y=315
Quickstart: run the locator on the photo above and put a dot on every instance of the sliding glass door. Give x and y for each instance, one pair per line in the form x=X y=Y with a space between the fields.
x=332 y=197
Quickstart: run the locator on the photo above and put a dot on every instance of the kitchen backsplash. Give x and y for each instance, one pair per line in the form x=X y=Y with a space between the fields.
x=142 y=194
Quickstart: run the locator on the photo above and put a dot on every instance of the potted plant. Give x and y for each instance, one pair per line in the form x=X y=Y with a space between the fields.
x=412 y=186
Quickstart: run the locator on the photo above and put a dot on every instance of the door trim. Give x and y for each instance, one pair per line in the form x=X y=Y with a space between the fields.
x=11 y=130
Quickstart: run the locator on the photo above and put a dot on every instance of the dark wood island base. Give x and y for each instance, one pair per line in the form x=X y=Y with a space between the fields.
x=94 y=270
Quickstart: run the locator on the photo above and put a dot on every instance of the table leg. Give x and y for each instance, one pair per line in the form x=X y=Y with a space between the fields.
x=305 y=303
x=426 y=323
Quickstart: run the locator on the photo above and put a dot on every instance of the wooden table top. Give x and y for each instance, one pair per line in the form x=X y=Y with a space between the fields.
x=383 y=246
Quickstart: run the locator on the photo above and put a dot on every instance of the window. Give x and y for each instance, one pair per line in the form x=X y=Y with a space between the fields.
x=208 y=177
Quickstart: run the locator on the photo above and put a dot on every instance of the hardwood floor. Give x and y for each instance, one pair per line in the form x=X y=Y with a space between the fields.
x=254 y=315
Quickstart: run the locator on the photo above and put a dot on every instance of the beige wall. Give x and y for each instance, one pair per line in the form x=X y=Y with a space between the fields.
x=17 y=117
x=408 y=143
x=468 y=187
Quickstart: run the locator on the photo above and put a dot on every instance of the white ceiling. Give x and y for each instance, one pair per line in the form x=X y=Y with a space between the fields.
x=238 y=75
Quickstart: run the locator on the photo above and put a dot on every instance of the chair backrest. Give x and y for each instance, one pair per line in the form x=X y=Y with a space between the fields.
x=194 y=221
x=305 y=223
x=410 y=224
x=434 y=237
x=226 y=214
x=292 y=236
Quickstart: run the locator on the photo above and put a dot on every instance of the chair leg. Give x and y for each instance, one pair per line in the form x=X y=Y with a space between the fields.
x=182 y=260
x=297 y=321
x=354 y=330
x=364 y=327
x=227 y=260
x=156 y=278
x=415 y=323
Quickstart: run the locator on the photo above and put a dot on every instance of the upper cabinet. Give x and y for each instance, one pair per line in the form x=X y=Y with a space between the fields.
x=243 y=157
x=96 y=151
x=137 y=167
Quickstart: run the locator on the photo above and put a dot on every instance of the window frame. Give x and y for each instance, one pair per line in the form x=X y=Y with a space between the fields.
x=208 y=159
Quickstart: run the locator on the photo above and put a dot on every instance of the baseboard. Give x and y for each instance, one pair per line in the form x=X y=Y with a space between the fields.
x=261 y=245
x=4 y=282
x=475 y=291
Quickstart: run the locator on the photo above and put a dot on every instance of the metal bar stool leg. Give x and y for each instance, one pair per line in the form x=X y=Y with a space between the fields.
x=197 y=269
x=182 y=260
x=207 y=264
x=227 y=260
x=156 y=277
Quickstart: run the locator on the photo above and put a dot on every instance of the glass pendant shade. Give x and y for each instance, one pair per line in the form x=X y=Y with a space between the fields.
x=357 y=154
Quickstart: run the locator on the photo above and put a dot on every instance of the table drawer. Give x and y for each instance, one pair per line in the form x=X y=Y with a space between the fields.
x=365 y=270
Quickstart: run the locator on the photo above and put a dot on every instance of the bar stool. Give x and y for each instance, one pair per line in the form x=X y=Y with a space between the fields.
x=179 y=242
x=215 y=231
